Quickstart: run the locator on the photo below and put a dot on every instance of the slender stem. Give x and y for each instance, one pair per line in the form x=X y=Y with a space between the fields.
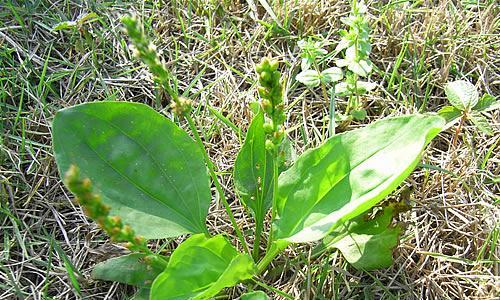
x=275 y=193
x=273 y=250
x=356 y=51
x=323 y=87
x=356 y=106
x=457 y=131
x=256 y=241
x=325 y=95
x=348 y=108
x=216 y=182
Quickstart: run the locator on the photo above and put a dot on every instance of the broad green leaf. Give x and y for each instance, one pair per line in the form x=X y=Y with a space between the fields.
x=257 y=295
x=253 y=170
x=342 y=89
x=450 y=113
x=129 y=269
x=350 y=54
x=364 y=86
x=310 y=78
x=365 y=48
x=148 y=170
x=359 y=114
x=306 y=63
x=362 y=67
x=200 y=268
x=367 y=244
x=348 y=174
x=481 y=123
x=331 y=75
x=342 y=63
x=311 y=48
x=487 y=103
x=462 y=94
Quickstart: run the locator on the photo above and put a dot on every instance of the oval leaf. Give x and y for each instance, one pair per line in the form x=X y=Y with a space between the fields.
x=200 y=268
x=310 y=78
x=253 y=170
x=481 y=123
x=349 y=174
x=148 y=170
x=332 y=75
x=342 y=89
x=462 y=94
x=487 y=103
x=129 y=269
x=365 y=86
x=367 y=244
x=362 y=68
x=450 y=113
x=359 y=114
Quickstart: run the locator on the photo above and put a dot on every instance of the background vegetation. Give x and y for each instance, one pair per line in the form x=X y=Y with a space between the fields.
x=55 y=54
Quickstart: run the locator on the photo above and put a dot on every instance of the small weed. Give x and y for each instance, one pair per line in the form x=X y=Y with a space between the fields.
x=356 y=47
x=466 y=105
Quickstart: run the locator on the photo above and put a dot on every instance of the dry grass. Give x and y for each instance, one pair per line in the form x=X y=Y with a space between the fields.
x=449 y=249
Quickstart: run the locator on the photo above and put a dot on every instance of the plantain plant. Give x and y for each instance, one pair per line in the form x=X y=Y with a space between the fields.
x=141 y=177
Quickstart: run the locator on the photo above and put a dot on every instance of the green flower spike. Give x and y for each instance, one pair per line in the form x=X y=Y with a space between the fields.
x=95 y=209
x=271 y=91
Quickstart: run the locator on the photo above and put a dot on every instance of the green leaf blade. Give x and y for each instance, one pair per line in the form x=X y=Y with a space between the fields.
x=148 y=170
x=310 y=78
x=362 y=68
x=359 y=114
x=487 y=103
x=365 y=86
x=450 y=113
x=200 y=268
x=253 y=170
x=481 y=123
x=129 y=269
x=333 y=74
x=462 y=94
x=349 y=174
x=367 y=244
